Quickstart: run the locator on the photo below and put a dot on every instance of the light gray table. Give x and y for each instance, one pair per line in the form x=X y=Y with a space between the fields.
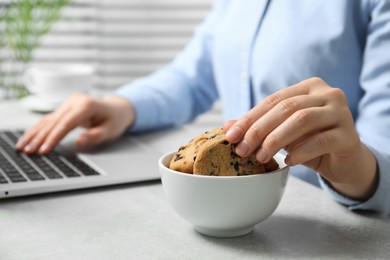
x=135 y=221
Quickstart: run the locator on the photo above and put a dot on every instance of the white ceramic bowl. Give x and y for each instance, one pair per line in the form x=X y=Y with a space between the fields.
x=224 y=206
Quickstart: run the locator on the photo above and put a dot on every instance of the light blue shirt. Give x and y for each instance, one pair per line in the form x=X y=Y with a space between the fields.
x=247 y=50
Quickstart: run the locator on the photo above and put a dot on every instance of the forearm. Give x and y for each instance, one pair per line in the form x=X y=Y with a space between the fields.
x=160 y=100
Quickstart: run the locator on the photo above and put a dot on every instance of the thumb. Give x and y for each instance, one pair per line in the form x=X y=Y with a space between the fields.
x=95 y=135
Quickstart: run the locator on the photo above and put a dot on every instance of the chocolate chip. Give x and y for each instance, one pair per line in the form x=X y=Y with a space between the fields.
x=225 y=142
x=213 y=136
x=178 y=157
x=236 y=166
x=194 y=158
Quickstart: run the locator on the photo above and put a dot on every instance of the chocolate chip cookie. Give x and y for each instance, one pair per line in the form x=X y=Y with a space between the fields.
x=217 y=157
x=183 y=160
x=211 y=154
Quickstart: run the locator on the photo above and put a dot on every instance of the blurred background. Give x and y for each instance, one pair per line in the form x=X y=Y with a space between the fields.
x=122 y=39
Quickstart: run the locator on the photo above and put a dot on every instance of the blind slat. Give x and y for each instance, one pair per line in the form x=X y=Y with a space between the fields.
x=123 y=39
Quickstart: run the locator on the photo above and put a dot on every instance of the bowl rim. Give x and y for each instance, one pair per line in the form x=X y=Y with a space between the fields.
x=163 y=157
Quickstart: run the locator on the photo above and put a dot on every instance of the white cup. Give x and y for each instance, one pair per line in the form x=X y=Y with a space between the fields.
x=56 y=83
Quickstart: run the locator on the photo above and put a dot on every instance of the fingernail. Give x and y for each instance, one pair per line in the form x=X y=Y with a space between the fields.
x=43 y=148
x=233 y=133
x=242 y=148
x=287 y=161
x=261 y=156
x=18 y=145
x=28 y=148
x=83 y=140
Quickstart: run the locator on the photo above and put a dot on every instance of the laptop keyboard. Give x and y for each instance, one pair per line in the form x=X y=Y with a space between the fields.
x=18 y=167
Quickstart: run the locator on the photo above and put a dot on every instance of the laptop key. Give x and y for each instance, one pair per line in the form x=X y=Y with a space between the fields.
x=33 y=175
x=3 y=180
x=82 y=167
x=26 y=165
x=65 y=169
x=21 y=162
x=10 y=171
x=40 y=167
x=15 y=176
x=45 y=167
x=12 y=137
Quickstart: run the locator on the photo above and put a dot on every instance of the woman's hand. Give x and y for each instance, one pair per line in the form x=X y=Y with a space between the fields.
x=105 y=120
x=313 y=123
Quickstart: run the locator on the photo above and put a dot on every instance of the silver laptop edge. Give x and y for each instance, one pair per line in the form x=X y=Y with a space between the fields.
x=130 y=159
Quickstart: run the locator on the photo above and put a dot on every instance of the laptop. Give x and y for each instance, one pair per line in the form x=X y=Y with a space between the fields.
x=130 y=159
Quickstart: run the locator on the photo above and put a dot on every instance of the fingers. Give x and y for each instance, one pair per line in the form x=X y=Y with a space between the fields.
x=94 y=135
x=296 y=118
x=33 y=138
x=24 y=141
x=45 y=135
x=53 y=137
x=287 y=113
x=312 y=148
x=311 y=120
x=284 y=123
x=238 y=130
x=107 y=119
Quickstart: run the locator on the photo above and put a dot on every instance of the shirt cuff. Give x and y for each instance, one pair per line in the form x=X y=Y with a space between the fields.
x=325 y=185
x=379 y=201
x=143 y=106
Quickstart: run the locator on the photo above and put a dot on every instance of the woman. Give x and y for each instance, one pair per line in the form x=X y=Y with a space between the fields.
x=310 y=77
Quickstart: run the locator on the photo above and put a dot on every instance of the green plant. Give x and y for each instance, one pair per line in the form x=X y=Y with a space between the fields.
x=26 y=22
x=2 y=44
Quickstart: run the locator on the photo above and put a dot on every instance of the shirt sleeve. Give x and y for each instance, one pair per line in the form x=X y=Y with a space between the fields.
x=380 y=201
x=181 y=90
x=373 y=121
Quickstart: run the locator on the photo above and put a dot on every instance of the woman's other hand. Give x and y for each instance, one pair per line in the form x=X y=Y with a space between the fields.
x=105 y=119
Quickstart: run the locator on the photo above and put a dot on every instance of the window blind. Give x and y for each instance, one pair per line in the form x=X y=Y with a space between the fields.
x=123 y=39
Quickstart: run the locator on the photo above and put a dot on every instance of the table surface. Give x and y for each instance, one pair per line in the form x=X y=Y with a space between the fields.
x=135 y=221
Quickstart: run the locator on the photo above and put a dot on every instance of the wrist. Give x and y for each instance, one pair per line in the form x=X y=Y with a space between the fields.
x=122 y=108
x=364 y=177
